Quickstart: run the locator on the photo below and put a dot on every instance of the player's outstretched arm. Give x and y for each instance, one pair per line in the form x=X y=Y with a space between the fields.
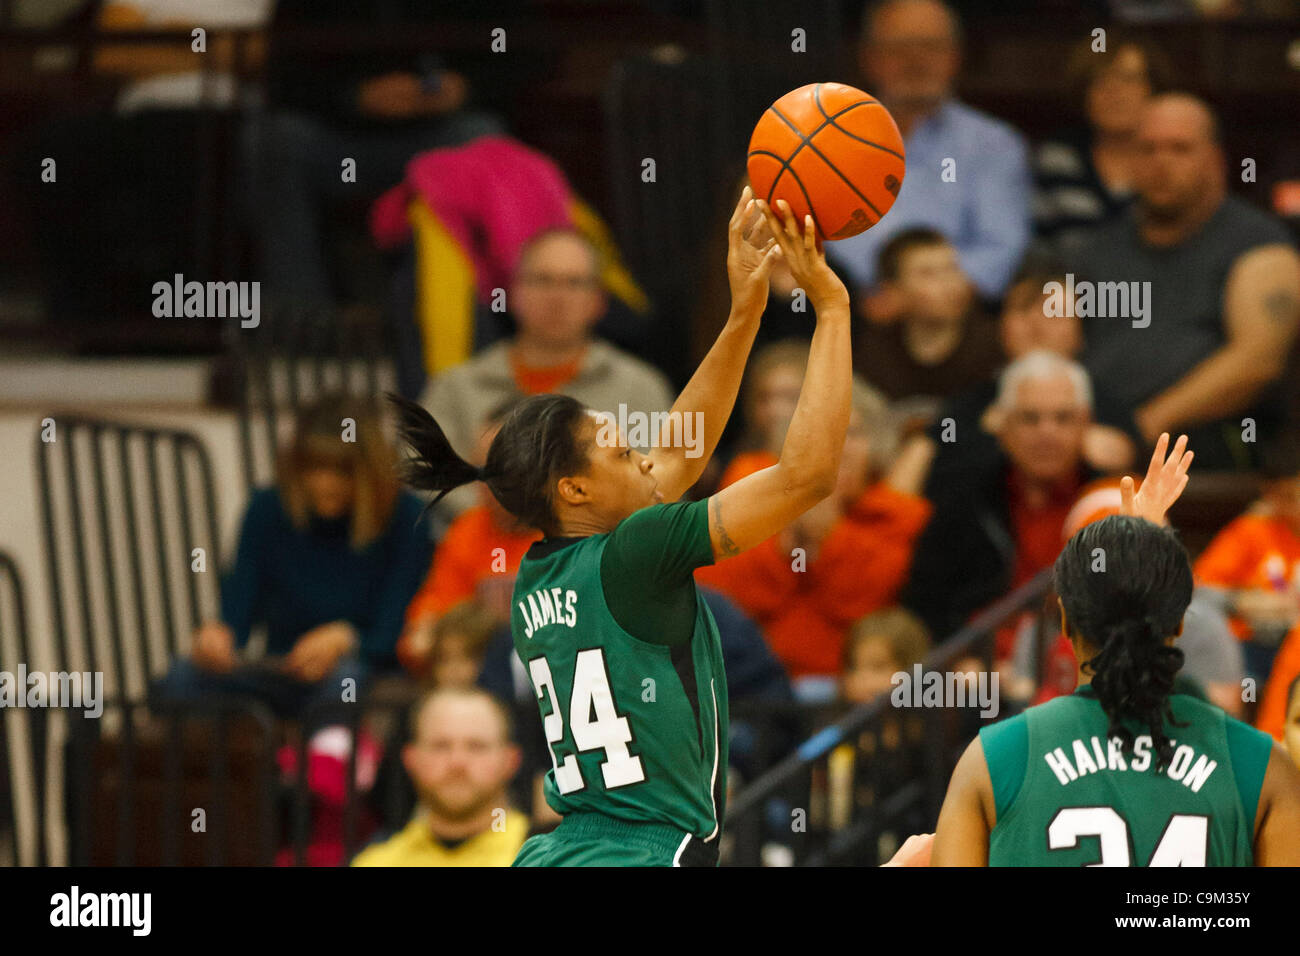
x=1277 y=830
x=966 y=819
x=759 y=505
x=710 y=395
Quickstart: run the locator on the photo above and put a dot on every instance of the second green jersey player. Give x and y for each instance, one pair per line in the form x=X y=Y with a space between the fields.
x=623 y=654
x=1065 y=793
x=1123 y=772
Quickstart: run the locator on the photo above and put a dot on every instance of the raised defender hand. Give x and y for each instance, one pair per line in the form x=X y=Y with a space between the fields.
x=802 y=252
x=751 y=252
x=1166 y=478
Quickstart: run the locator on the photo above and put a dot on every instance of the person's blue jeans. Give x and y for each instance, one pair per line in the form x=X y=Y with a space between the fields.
x=286 y=696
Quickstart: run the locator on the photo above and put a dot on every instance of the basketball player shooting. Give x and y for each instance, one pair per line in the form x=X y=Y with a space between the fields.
x=623 y=654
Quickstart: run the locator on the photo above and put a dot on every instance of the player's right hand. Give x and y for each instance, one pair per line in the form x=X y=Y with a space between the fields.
x=214 y=648
x=802 y=253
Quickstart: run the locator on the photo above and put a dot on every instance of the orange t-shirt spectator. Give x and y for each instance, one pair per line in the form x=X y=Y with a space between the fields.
x=537 y=380
x=859 y=567
x=857 y=546
x=1258 y=552
x=1259 y=556
x=466 y=557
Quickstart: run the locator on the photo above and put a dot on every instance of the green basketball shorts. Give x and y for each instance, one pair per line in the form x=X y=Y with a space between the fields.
x=593 y=839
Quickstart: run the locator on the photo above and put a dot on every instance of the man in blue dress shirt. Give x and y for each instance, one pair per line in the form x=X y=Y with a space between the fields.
x=967 y=173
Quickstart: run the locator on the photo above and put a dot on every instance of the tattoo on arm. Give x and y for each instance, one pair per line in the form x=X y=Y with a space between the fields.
x=725 y=544
x=1281 y=306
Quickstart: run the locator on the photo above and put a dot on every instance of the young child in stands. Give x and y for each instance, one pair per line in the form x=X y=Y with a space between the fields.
x=928 y=340
x=459 y=640
x=879 y=646
x=771 y=391
x=858 y=773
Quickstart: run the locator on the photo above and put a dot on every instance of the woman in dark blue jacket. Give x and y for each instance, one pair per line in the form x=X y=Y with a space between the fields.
x=328 y=559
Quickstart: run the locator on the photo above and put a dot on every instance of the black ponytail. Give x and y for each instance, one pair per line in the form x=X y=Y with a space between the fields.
x=1133 y=675
x=1125 y=584
x=435 y=466
x=539 y=441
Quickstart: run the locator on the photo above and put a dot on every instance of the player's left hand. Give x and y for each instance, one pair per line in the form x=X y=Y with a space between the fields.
x=1166 y=478
x=751 y=252
x=915 y=852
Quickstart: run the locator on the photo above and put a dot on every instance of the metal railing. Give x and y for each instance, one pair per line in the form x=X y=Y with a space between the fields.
x=172 y=785
x=293 y=356
x=206 y=782
x=126 y=510
x=132 y=552
x=22 y=738
x=907 y=793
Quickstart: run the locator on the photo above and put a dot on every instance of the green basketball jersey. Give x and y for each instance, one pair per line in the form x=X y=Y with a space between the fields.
x=637 y=730
x=1067 y=796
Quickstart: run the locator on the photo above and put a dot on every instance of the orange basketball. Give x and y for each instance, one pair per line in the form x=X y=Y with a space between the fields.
x=830 y=150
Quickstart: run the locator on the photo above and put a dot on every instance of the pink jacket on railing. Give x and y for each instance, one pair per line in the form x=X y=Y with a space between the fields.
x=492 y=195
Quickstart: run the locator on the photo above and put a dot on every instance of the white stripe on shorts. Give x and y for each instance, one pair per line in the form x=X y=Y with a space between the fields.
x=677 y=857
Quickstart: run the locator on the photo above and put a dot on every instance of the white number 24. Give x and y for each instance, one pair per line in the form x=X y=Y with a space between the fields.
x=608 y=732
x=1184 y=842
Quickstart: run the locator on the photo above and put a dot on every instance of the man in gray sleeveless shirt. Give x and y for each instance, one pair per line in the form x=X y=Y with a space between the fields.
x=1194 y=295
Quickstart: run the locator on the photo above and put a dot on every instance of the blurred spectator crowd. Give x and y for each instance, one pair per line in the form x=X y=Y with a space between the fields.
x=1026 y=330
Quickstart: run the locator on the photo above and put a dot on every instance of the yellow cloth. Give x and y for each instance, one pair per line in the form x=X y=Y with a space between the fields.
x=415 y=846
x=614 y=274
x=444 y=291
x=445 y=287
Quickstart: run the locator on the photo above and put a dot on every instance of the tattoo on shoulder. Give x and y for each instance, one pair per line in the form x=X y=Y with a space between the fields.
x=725 y=544
x=1282 y=305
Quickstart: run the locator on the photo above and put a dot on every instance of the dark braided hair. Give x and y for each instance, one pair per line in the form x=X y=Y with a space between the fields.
x=538 y=443
x=1125 y=613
